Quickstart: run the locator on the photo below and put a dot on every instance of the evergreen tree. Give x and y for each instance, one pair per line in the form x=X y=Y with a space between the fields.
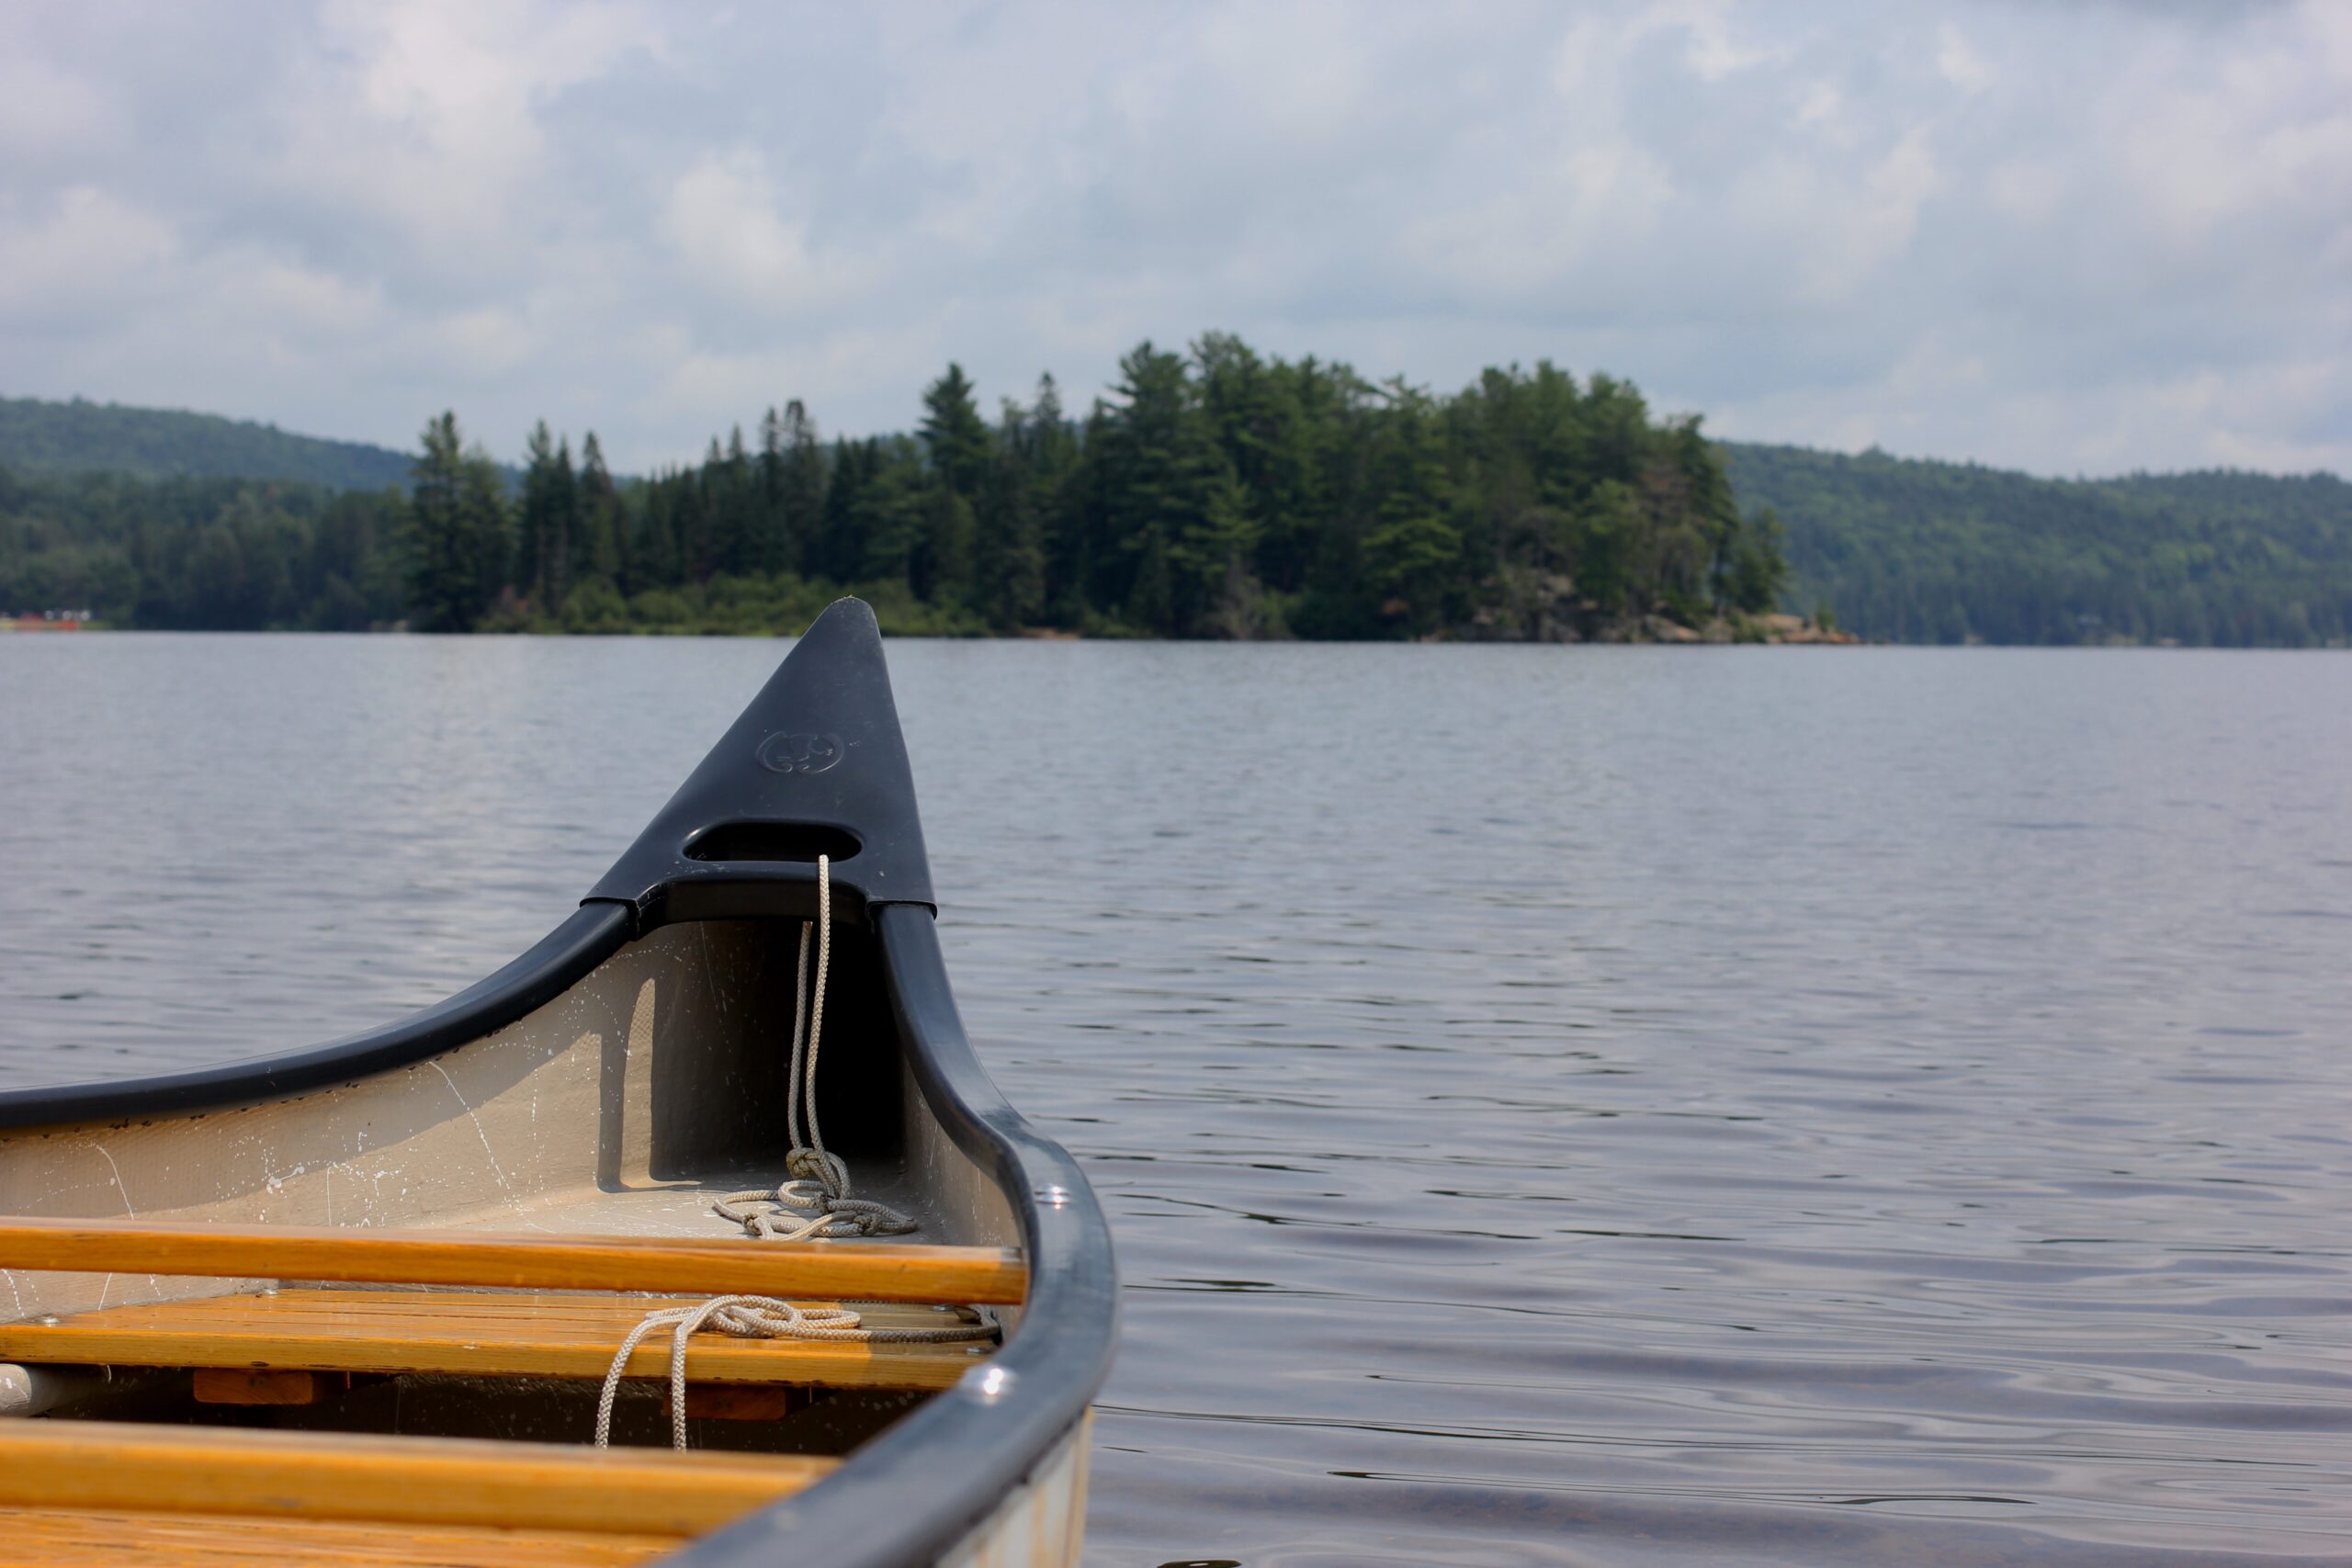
x=1157 y=467
x=570 y=533
x=548 y=528
x=955 y=439
x=1058 y=493
x=840 y=554
x=733 y=499
x=1009 y=548
x=603 y=520
x=1214 y=556
x=771 y=529
x=487 y=525
x=801 y=491
x=456 y=537
x=654 y=557
x=1411 y=551
x=533 y=546
x=954 y=433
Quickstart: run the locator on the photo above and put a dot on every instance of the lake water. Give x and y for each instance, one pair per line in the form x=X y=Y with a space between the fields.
x=1631 y=1106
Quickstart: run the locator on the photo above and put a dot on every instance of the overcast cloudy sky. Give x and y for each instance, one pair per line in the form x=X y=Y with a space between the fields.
x=2071 y=238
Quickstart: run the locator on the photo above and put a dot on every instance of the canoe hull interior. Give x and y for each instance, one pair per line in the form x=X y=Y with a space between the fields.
x=621 y=1107
x=611 y=1082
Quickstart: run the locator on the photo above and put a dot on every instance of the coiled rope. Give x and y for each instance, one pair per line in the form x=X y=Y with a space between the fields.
x=816 y=1193
x=813 y=1202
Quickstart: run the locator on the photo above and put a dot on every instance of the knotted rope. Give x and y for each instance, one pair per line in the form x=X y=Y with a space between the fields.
x=813 y=1203
x=751 y=1317
x=816 y=1193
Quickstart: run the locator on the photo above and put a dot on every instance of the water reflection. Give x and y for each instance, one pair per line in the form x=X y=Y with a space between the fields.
x=1628 y=1106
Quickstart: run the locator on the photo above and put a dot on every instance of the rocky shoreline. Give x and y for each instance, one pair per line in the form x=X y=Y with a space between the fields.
x=1745 y=628
x=1721 y=629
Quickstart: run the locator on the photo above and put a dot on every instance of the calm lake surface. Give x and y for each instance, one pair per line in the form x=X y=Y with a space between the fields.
x=1644 y=1106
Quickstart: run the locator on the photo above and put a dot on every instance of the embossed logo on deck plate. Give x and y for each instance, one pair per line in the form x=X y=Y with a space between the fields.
x=801 y=753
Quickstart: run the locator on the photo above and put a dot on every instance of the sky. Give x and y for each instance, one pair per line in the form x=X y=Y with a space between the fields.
x=2070 y=238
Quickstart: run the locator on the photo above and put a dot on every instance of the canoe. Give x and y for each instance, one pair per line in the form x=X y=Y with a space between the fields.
x=375 y=1302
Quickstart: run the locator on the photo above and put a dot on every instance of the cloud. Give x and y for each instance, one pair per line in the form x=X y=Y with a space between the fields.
x=65 y=267
x=2073 y=239
x=724 y=231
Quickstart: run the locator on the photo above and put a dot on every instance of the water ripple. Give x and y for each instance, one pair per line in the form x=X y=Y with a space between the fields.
x=1586 y=1106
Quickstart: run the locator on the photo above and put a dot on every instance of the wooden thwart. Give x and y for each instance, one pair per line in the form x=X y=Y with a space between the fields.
x=877 y=1272
x=91 y=1538
x=54 y=1464
x=484 y=1333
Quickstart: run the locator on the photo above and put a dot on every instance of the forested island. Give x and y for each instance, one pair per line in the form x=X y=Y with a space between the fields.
x=1213 y=494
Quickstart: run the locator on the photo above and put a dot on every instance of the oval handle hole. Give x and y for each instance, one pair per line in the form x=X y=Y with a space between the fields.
x=798 y=841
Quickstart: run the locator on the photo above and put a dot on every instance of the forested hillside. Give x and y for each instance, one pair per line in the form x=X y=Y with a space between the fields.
x=1908 y=551
x=82 y=437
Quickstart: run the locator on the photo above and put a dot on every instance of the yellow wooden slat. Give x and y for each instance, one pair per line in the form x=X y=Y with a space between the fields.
x=453 y=1331
x=56 y=1538
x=557 y=1307
x=56 y=1464
x=867 y=1271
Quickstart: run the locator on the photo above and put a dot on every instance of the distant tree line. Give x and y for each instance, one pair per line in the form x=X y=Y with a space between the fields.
x=1904 y=550
x=1214 y=493
x=202 y=554
x=1218 y=492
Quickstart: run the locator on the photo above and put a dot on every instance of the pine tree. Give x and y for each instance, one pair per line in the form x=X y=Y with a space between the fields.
x=1411 y=551
x=1009 y=548
x=537 y=542
x=1157 y=467
x=955 y=435
x=769 y=529
x=956 y=440
x=604 y=521
x=734 y=509
x=1215 y=554
x=1057 y=494
x=485 y=525
x=839 y=549
x=654 y=557
x=801 y=491
x=455 y=538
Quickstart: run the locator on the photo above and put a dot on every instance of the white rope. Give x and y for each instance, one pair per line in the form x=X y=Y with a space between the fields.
x=813 y=1203
x=751 y=1317
x=816 y=1198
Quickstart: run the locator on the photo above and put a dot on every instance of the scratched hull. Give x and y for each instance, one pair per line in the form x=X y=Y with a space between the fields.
x=629 y=1069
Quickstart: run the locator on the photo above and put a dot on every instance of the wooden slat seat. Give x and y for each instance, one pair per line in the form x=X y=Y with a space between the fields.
x=87 y=1538
x=481 y=1333
x=881 y=1272
x=119 y=1466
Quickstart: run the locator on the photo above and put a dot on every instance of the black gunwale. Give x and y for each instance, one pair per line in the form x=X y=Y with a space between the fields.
x=912 y=1493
